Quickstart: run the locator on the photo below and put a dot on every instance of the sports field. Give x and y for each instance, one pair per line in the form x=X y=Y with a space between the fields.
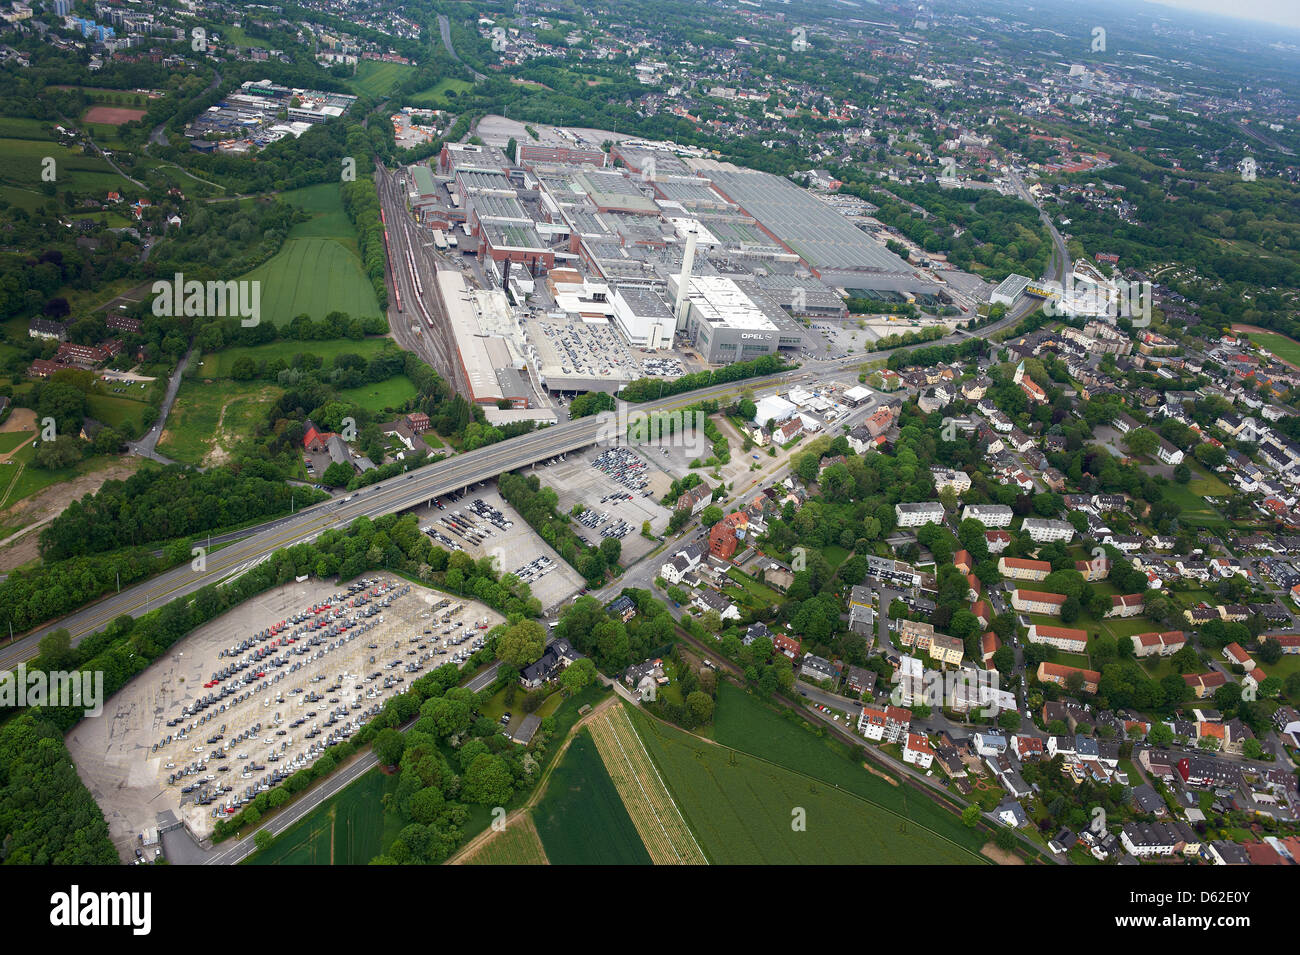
x=346 y=829
x=1286 y=349
x=318 y=269
x=660 y=824
x=581 y=819
x=517 y=844
x=747 y=811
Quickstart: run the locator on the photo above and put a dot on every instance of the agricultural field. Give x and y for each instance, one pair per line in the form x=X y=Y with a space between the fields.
x=210 y=419
x=657 y=819
x=581 y=819
x=318 y=269
x=349 y=828
x=219 y=364
x=518 y=844
x=377 y=80
x=748 y=811
x=751 y=726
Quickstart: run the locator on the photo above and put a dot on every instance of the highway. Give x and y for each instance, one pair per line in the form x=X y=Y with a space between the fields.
x=419 y=487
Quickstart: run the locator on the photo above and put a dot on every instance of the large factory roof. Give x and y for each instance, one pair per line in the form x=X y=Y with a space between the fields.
x=817 y=233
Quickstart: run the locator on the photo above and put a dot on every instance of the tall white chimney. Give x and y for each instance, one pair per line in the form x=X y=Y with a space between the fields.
x=684 y=280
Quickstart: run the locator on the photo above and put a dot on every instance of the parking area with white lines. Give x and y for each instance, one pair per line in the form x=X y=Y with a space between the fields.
x=260 y=692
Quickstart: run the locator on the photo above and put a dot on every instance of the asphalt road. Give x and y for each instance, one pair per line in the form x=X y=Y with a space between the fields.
x=413 y=489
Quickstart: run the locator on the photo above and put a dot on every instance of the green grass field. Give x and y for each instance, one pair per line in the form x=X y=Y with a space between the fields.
x=11 y=439
x=1286 y=349
x=313 y=277
x=218 y=365
x=22 y=162
x=581 y=819
x=745 y=723
x=123 y=414
x=392 y=393
x=376 y=79
x=435 y=97
x=318 y=269
x=213 y=417
x=748 y=811
x=350 y=828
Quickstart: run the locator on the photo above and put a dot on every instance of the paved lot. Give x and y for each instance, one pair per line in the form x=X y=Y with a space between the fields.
x=329 y=670
x=513 y=548
x=576 y=481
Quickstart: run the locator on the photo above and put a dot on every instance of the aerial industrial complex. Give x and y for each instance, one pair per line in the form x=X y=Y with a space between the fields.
x=560 y=272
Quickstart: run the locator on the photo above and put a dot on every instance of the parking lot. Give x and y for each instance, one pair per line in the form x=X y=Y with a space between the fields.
x=482 y=524
x=260 y=692
x=611 y=484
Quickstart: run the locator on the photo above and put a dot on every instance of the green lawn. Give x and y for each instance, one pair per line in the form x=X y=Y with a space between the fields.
x=835 y=555
x=11 y=439
x=126 y=415
x=350 y=828
x=581 y=819
x=435 y=96
x=392 y=393
x=745 y=810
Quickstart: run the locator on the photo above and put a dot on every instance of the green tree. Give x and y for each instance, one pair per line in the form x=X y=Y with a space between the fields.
x=522 y=643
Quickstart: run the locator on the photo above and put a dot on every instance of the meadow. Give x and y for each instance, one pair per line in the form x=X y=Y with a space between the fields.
x=219 y=364
x=209 y=419
x=390 y=393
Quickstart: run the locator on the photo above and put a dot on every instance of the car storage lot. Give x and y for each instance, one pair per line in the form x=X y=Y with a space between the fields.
x=115 y=754
x=517 y=549
x=576 y=481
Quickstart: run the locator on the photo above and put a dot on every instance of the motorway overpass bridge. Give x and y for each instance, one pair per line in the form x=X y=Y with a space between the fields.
x=407 y=491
